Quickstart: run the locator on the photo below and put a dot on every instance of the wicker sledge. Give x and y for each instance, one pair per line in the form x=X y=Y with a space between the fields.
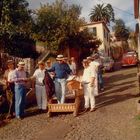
x=75 y=93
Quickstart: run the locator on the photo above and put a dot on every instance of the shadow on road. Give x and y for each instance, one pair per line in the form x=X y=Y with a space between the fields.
x=109 y=86
x=119 y=87
x=109 y=100
x=119 y=77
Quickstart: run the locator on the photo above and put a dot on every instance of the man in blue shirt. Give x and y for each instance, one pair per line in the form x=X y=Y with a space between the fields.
x=62 y=70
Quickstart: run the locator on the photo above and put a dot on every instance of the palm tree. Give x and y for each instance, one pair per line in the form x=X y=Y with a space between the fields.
x=102 y=13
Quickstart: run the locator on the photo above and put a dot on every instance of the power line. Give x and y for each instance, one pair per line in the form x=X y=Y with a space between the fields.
x=123 y=11
x=118 y=8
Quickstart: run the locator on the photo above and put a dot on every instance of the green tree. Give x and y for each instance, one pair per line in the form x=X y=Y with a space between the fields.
x=102 y=12
x=121 y=31
x=15 y=22
x=58 y=24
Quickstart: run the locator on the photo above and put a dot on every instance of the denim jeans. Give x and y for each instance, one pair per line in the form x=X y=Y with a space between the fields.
x=60 y=89
x=12 y=88
x=20 y=94
x=100 y=80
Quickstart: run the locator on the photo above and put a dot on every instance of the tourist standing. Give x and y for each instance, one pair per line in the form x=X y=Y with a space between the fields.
x=8 y=76
x=88 y=82
x=20 y=79
x=40 y=89
x=62 y=70
x=94 y=65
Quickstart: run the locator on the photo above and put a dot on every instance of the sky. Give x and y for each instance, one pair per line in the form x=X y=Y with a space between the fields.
x=123 y=9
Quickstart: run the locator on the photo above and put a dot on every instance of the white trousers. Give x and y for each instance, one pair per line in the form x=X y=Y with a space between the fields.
x=41 y=96
x=89 y=96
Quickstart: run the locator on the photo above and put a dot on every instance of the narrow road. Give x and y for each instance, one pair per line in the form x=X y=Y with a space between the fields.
x=114 y=119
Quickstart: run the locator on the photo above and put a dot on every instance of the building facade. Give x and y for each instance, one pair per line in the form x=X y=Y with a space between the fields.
x=101 y=31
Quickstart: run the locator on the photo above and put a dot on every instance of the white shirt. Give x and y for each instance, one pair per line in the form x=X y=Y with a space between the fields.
x=88 y=74
x=94 y=65
x=39 y=75
x=10 y=75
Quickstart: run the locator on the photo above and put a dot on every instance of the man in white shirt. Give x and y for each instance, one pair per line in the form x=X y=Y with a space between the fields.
x=88 y=82
x=40 y=90
x=94 y=66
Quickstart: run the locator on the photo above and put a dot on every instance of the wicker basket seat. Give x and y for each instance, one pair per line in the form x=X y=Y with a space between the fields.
x=71 y=106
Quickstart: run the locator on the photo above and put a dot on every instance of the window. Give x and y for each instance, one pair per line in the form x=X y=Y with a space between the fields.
x=93 y=30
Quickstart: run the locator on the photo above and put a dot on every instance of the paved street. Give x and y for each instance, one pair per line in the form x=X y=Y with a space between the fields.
x=114 y=119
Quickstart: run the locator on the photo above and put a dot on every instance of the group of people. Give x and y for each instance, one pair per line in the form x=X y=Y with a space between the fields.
x=49 y=80
x=46 y=81
x=92 y=80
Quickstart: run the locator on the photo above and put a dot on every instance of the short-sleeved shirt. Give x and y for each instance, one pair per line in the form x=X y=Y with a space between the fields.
x=39 y=76
x=10 y=75
x=88 y=74
x=17 y=75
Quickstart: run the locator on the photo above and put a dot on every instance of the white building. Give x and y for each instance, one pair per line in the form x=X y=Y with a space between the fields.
x=101 y=31
x=137 y=16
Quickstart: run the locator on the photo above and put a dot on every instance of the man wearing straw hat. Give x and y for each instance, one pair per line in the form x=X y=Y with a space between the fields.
x=94 y=66
x=20 y=79
x=88 y=82
x=62 y=70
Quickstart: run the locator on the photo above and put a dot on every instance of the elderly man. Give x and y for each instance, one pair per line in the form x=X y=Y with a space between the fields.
x=40 y=90
x=61 y=70
x=94 y=66
x=89 y=84
x=20 y=79
x=8 y=75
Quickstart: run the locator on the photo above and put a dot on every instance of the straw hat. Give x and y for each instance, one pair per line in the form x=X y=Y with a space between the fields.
x=21 y=63
x=89 y=58
x=95 y=56
x=60 y=57
x=85 y=61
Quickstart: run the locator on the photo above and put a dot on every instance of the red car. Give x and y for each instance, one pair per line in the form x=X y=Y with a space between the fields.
x=129 y=59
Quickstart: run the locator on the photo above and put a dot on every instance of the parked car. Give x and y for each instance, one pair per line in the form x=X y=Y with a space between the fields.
x=108 y=64
x=129 y=59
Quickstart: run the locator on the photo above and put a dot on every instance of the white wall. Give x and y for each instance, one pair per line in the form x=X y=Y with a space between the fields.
x=104 y=47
